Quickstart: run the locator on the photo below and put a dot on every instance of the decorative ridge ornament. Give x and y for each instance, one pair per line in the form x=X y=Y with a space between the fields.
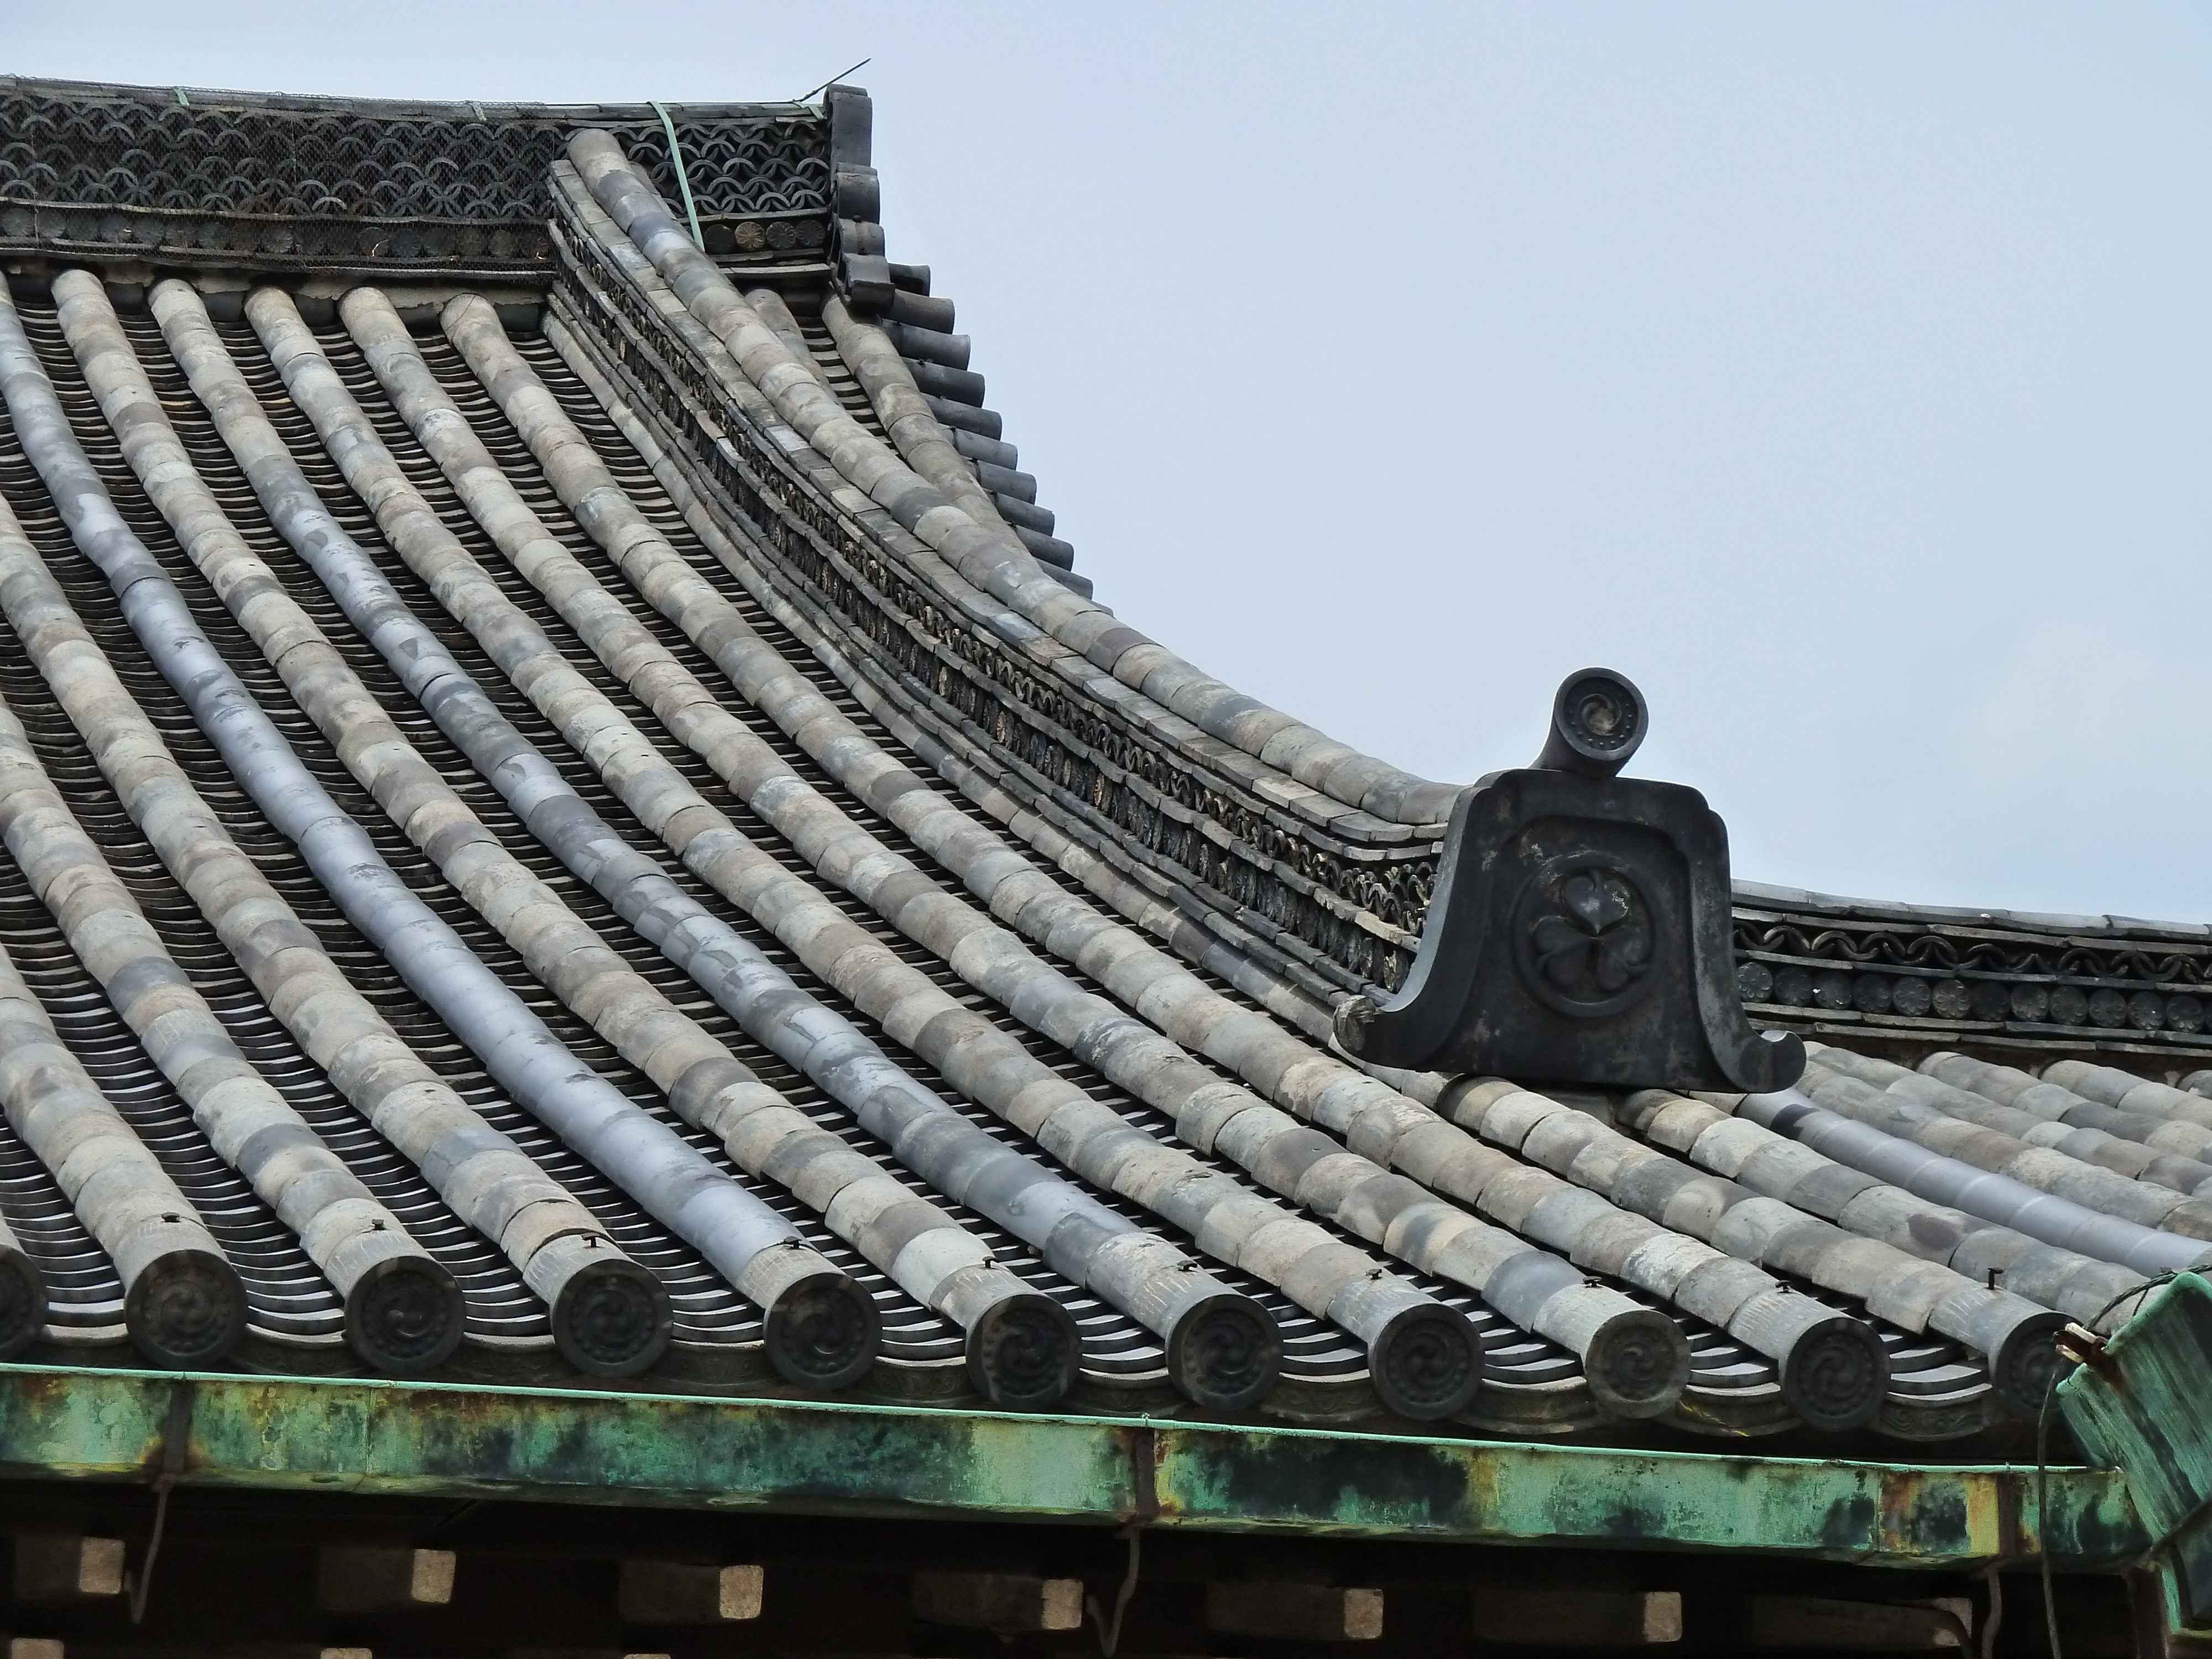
x=1581 y=927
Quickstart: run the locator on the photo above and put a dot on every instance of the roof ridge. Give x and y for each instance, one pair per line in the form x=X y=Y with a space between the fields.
x=485 y=110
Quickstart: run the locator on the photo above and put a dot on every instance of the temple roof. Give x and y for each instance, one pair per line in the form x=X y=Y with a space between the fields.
x=571 y=819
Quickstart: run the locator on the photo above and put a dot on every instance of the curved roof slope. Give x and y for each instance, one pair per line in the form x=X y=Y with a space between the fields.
x=573 y=825
x=1324 y=858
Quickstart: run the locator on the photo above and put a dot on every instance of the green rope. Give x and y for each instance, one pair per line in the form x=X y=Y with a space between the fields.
x=684 y=184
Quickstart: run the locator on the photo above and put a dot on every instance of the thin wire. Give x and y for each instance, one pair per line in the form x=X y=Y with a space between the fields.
x=683 y=183
x=1110 y=1634
x=2043 y=1467
x=832 y=80
x=2151 y=1283
x=175 y=1444
x=2043 y=1511
x=1990 y=1625
x=142 y=1583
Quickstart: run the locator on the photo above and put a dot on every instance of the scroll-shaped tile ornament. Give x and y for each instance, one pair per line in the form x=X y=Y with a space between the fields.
x=1580 y=929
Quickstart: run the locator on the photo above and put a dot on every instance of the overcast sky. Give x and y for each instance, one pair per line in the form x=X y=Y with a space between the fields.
x=1842 y=374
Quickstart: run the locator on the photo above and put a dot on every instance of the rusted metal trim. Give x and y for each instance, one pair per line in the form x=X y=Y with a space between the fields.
x=1145 y=1473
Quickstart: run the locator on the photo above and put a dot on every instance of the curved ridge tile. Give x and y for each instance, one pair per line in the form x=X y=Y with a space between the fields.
x=913 y=429
x=1283 y=970
x=1307 y=756
x=590 y=278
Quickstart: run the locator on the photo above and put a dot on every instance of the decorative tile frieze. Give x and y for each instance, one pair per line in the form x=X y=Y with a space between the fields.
x=179 y=179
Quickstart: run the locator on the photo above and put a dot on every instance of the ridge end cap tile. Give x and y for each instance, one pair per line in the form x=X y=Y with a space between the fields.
x=1907 y=913
x=1386 y=802
x=1426 y=811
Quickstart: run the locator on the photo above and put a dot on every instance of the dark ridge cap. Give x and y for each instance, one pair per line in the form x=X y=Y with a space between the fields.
x=165 y=178
x=1751 y=895
x=89 y=91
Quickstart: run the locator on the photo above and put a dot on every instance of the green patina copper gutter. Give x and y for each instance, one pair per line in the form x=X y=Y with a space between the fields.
x=2138 y=1405
x=685 y=1451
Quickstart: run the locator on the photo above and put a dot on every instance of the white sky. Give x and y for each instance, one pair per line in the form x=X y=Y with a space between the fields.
x=1842 y=374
